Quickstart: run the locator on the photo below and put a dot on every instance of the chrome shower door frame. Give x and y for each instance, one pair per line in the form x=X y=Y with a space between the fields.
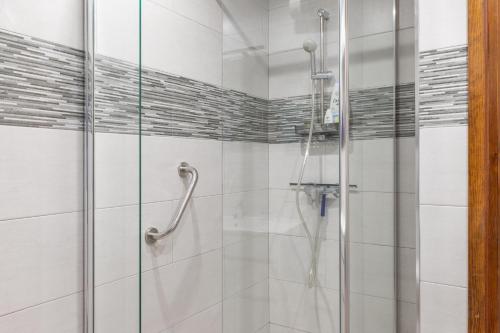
x=88 y=170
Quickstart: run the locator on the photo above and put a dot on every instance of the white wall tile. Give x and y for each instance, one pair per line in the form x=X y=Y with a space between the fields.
x=210 y=321
x=61 y=315
x=59 y=21
x=370 y=17
x=442 y=23
x=200 y=229
x=245 y=165
x=157 y=214
x=117 y=29
x=372 y=314
x=116 y=250
x=330 y=251
x=179 y=53
x=205 y=12
x=443 y=308
x=117 y=306
x=248 y=310
x=406 y=220
x=247 y=71
x=372 y=270
x=443 y=245
x=290 y=259
x=372 y=217
x=296 y=306
x=116 y=170
x=443 y=166
x=290 y=25
x=246 y=214
x=245 y=263
x=41 y=172
x=40 y=260
x=162 y=155
x=406 y=54
x=289 y=71
x=173 y=293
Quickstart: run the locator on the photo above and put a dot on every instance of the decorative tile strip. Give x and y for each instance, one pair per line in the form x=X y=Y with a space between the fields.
x=41 y=83
x=443 y=87
x=373 y=114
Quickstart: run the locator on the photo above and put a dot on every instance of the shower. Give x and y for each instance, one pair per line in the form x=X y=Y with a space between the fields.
x=325 y=119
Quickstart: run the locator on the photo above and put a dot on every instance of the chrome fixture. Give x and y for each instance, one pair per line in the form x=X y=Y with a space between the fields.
x=345 y=258
x=323 y=17
x=152 y=234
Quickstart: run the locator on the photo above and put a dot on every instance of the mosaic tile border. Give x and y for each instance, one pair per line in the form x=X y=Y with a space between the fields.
x=443 y=87
x=41 y=83
x=372 y=114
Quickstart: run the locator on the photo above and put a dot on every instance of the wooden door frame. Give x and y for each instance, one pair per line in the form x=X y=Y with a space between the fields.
x=484 y=70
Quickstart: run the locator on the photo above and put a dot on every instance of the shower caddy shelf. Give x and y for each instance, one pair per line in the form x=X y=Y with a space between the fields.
x=326 y=131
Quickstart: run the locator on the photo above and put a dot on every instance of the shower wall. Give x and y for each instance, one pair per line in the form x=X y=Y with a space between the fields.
x=443 y=164
x=41 y=166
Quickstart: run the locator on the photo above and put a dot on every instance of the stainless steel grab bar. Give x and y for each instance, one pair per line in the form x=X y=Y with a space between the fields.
x=152 y=234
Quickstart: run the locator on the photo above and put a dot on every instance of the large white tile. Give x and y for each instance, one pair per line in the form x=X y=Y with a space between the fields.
x=406 y=54
x=296 y=306
x=290 y=259
x=173 y=293
x=443 y=166
x=158 y=215
x=161 y=157
x=116 y=243
x=330 y=251
x=41 y=172
x=205 y=12
x=210 y=321
x=372 y=314
x=59 y=21
x=370 y=17
x=116 y=170
x=289 y=71
x=40 y=260
x=290 y=25
x=284 y=217
x=61 y=315
x=372 y=270
x=245 y=166
x=377 y=167
x=245 y=264
x=247 y=71
x=443 y=308
x=173 y=44
x=116 y=306
x=248 y=310
x=246 y=214
x=117 y=29
x=443 y=234
x=200 y=229
x=371 y=61
x=285 y=161
x=442 y=23
x=372 y=217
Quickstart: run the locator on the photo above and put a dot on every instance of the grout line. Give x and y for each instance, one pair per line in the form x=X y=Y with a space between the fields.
x=41 y=303
x=39 y=216
x=443 y=284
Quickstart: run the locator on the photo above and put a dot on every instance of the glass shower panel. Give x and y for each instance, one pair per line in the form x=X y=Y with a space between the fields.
x=116 y=166
x=372 y=161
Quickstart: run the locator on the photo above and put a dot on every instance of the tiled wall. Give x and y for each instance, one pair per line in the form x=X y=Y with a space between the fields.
x=443 y=165
x=41 y=167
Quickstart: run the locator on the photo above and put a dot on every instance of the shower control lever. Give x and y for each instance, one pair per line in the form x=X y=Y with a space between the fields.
x=322 y=76
x=152 y=234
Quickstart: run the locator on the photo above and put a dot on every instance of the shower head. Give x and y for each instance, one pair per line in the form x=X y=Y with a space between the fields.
x=309 y=45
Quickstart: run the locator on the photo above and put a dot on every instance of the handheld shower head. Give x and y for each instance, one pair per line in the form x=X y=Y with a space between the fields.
x=309 y=45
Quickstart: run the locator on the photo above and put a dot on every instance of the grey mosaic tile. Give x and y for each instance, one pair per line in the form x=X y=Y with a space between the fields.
x=372 y=114
x=41 y=83
x=443 y=87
